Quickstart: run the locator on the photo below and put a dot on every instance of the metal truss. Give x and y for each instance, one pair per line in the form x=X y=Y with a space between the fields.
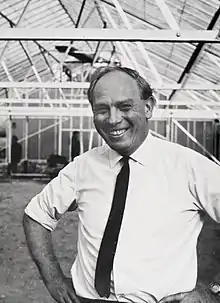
x=85 y=85
x=161 y=114
x=89 y=34
x=83 y=101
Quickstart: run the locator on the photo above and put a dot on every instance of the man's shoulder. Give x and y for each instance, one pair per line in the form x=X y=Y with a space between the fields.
x=96 y=153
x=168 y=145
x=168 y=148
x=177 y=152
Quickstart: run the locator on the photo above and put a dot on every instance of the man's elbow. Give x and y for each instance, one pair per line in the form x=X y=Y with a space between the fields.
x=26 y=221
x=30 y=225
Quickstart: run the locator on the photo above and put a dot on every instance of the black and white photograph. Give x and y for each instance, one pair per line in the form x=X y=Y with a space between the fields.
x=109 y=151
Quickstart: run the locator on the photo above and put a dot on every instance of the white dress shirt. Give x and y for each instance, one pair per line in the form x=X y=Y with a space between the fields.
x=169 y=187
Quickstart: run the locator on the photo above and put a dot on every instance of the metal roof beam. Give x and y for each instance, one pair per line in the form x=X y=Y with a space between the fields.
x=66 y=11
x=132 y=15
x=94 y=34
x=85 y=85
x=28 y=55
x=76 y=26
x=12 y=24
x=123 y=47
x=167 y=14
x=196 y=52
x=140 y=46
x=144 y=21
x=84 y=101
x=160 y=114
x=10 y=79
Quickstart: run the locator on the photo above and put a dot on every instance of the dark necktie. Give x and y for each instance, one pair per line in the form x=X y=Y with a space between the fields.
x=110 y=238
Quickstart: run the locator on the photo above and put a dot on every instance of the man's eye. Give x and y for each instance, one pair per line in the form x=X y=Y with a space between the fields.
x=125 y=107
x=101 y=110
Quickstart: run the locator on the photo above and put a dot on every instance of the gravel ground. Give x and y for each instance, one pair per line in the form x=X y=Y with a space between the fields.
x=19 y=278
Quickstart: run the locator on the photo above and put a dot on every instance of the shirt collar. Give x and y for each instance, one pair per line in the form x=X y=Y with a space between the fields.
x=142 y=155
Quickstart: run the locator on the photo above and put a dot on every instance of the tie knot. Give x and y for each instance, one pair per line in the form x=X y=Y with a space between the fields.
x=125 y=159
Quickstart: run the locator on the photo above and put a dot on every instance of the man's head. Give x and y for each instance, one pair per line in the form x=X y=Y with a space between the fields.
x=75 y=135
x=122 y=103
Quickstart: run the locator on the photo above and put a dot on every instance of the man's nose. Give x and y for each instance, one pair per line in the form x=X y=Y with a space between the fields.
x=114 y=116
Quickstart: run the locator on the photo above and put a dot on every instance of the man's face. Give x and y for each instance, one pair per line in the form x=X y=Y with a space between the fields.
x=120 y=116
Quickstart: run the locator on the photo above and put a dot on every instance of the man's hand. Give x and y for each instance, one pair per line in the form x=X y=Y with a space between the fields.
x=62 y=291
x=200 y=294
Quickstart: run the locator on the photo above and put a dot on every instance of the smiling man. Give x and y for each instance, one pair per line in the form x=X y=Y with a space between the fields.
x=140 y=202
x=121 y=110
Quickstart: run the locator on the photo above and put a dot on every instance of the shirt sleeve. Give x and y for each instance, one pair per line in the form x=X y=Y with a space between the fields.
x=54 y=200
x=205 y=184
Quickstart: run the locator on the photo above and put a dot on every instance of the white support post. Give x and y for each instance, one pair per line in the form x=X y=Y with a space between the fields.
x=175 y=134
x=9 y=140
x=39 y=140
x=91 y=139
x=26 y=138
x=195 y=141
x=99 y=140
x=55 y=124
x=81 y=131
x=188 y=129
x=171 y=129
x=60 y=136
x=194 y=133
x=156 y=126
x=168 y=129
x=70 y=137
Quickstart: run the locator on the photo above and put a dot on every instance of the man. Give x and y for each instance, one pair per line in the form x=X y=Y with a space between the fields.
x=140 y=201
x=75 y=145
x=16 y=153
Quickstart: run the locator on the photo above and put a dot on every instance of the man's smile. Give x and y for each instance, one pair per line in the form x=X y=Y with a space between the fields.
x=117 y=133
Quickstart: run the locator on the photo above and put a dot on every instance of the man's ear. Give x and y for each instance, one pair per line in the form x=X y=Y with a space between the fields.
x=149 y=106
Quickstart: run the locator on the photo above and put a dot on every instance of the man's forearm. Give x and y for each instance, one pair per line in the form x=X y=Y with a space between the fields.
x=39 y=241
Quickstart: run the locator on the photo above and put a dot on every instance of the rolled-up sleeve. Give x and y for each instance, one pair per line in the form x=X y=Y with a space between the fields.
x=54 y=200
x=206 y=185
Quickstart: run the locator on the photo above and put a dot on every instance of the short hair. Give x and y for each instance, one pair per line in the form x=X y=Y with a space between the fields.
x=144 y=87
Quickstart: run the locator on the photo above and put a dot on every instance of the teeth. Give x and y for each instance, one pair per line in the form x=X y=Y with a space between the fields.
x=117 y=132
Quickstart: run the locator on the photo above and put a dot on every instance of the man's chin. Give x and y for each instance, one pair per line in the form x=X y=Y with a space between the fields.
x=119 y=147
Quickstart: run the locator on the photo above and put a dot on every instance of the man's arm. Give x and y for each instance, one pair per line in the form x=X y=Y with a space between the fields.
x=39 y=241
